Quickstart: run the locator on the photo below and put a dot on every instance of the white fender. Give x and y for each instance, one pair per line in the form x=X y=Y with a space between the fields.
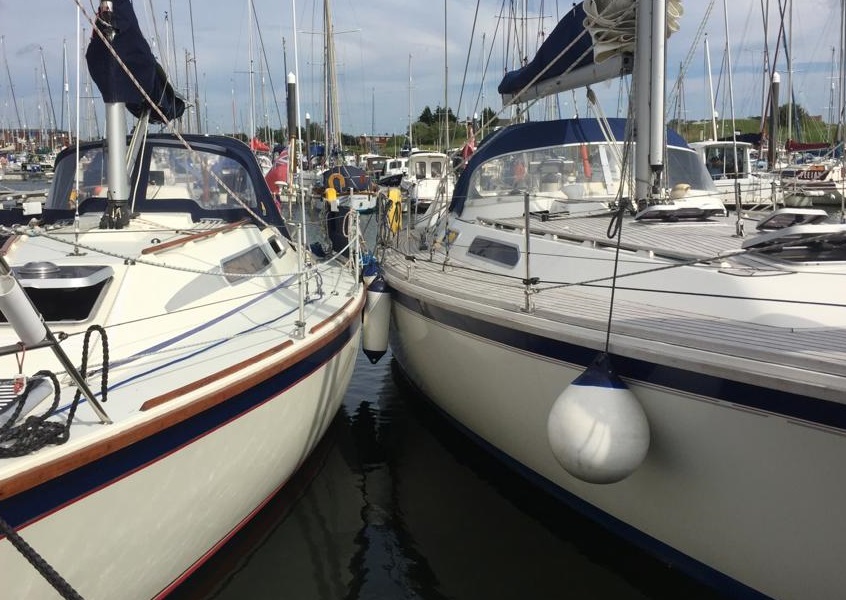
x=597 y=429
x=377 y=320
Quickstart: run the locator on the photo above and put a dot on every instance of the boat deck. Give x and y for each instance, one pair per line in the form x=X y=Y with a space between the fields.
x=704 y=240
x=813 y=356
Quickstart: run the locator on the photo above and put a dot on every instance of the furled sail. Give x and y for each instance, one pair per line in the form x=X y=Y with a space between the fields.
x=117 y=21
x=594 y=42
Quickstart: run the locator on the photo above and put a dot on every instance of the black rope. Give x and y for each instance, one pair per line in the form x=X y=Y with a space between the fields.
x=37 y=431
x=36 y=560
x=34 y=432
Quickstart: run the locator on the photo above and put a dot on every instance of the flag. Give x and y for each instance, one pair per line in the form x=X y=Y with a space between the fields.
x=256 y=145
x=470 y=145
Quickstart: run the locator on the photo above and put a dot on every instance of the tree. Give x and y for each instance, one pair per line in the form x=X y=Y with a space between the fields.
x=439 y=115
x=489 y=118
x=799 y=114
x=427 y=117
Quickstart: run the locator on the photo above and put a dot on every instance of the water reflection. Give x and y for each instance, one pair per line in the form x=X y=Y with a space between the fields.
x=396 y=504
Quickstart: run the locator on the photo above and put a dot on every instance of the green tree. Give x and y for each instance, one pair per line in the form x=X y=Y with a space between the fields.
x=439 y=115
x=427 y=117
x=799 y=114
x=489 y=117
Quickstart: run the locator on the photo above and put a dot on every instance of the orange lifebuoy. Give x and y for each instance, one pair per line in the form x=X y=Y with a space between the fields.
x=586 y=161
x=335 y=177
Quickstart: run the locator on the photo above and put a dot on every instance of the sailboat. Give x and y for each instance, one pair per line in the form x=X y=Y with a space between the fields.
x=342 y=187
x=674 y=373
x=170 y=355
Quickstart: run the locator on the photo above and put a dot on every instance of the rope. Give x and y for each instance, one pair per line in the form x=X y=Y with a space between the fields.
x=36 y=432
x=35 y=232
x=64 y=589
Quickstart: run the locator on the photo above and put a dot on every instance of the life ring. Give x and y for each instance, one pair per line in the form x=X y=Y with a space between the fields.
x=586 y=161
x=330 y=183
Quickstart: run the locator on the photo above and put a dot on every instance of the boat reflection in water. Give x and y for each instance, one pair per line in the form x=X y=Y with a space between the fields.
x=396 y=503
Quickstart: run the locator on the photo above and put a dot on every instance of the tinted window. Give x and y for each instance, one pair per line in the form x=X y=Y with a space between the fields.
x=495 y=251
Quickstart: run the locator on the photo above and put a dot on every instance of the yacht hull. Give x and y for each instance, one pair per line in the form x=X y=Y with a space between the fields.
x=151 y=501
x=744 y=498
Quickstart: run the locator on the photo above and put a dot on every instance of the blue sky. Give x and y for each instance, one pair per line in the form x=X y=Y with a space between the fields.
x=374 y=41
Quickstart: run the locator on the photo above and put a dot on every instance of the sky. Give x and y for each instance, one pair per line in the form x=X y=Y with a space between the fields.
x=391 y=57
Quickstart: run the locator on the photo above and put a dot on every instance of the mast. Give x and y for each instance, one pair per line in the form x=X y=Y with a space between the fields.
x=789 y=72
x=49 y=90
x=252 y=131
x=649 y=82
x=841 y=88
x=333 y=118
x=446 y=84
x=65 y=91
x=711 y=108
x=410 y=124
x=11 y=84
x=196 y=80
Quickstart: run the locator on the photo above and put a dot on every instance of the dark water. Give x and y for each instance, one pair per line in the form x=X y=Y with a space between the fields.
x=396 y=504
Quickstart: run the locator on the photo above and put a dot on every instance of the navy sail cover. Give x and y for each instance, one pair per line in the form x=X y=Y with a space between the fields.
x=129 y=44
x=571 y=27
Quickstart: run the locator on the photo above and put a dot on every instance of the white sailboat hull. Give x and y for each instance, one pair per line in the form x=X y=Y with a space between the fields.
x=724 y=490
x=146 y=529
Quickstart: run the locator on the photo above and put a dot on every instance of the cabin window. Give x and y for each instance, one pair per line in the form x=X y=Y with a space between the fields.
x=213 y=181
x=722 y=165
x=495 y=251
x=420 y=170
x=437 y=169
x=92 y=182
x=249 y=262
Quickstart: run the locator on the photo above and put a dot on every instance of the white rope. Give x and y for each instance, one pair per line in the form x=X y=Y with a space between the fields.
x=39 y=232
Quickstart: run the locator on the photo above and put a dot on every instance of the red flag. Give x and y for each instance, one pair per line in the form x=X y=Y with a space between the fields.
x=256 y=145
x=470 y=145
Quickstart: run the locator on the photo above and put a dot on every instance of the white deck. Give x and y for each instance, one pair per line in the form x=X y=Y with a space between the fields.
x=818 y=355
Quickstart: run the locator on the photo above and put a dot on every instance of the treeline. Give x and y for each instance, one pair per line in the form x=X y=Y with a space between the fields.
x=427 y=129
x=805 y=127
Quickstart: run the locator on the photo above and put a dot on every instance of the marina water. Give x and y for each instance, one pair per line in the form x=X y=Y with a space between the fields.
x=397 y=504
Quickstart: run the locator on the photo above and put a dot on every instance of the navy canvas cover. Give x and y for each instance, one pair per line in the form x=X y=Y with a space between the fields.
x=352 y=177
x=579 y=55
x=111 y=79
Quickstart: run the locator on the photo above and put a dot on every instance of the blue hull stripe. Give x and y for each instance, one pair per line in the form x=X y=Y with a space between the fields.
x=804 y=408
x=52 y=495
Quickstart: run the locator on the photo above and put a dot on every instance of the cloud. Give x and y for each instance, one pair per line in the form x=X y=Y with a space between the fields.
x=30 y=48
